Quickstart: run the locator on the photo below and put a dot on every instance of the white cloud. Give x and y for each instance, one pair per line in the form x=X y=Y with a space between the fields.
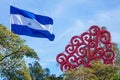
x=63 y=5
x=59 y=8
x=57 y=11
x=76 y=28
x=110 y=19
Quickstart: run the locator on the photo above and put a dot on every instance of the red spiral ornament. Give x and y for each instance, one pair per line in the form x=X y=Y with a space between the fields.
x=82 y=50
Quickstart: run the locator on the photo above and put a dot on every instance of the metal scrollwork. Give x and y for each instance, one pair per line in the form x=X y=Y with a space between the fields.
x=82 y=50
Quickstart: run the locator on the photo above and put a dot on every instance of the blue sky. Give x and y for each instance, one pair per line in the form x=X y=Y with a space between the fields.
x=71 y=17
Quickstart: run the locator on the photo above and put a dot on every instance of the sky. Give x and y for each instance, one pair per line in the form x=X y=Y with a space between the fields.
x=71 y=17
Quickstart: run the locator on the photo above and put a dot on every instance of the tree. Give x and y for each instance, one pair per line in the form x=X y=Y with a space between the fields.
x=105 y=72
x=117 y=60
x=80 y=73
x=97 y=71
x=117 y=51
x=12 y=51
x=36 y=71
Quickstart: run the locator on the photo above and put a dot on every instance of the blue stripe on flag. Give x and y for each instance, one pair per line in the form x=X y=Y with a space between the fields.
x=25 y=30
x=14 y=10
x=42 y=19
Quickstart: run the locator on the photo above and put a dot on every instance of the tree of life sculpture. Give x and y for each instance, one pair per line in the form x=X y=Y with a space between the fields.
x=82 y=50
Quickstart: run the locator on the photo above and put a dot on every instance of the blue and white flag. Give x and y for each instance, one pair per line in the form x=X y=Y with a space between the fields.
x=30 y=24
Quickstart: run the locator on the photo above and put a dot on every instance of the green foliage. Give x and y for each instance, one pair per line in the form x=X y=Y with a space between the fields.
x=117 y=52
x=25 y=73
x=29 y=52
x=12 y=51
x=36 y=71
x=12 y=63
x=80 y=74
x=14 y=45
x=105 y=72
x=53 y=77
x=97 y=71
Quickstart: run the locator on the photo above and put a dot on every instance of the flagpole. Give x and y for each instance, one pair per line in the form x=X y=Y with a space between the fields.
x=10 y=15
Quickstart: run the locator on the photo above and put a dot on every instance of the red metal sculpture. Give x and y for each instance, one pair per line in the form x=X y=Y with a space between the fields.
x=91 y=45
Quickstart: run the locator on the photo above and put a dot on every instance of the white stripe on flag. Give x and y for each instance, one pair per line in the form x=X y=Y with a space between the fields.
x=32 y=23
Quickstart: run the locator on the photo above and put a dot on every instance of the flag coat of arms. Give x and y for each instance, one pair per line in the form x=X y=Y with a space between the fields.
x=27 y=23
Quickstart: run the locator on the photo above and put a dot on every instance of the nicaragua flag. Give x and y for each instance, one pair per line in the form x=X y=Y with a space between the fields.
x=30 y=24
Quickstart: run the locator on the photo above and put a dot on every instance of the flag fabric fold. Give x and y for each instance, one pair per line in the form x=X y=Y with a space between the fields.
x=27 y=23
